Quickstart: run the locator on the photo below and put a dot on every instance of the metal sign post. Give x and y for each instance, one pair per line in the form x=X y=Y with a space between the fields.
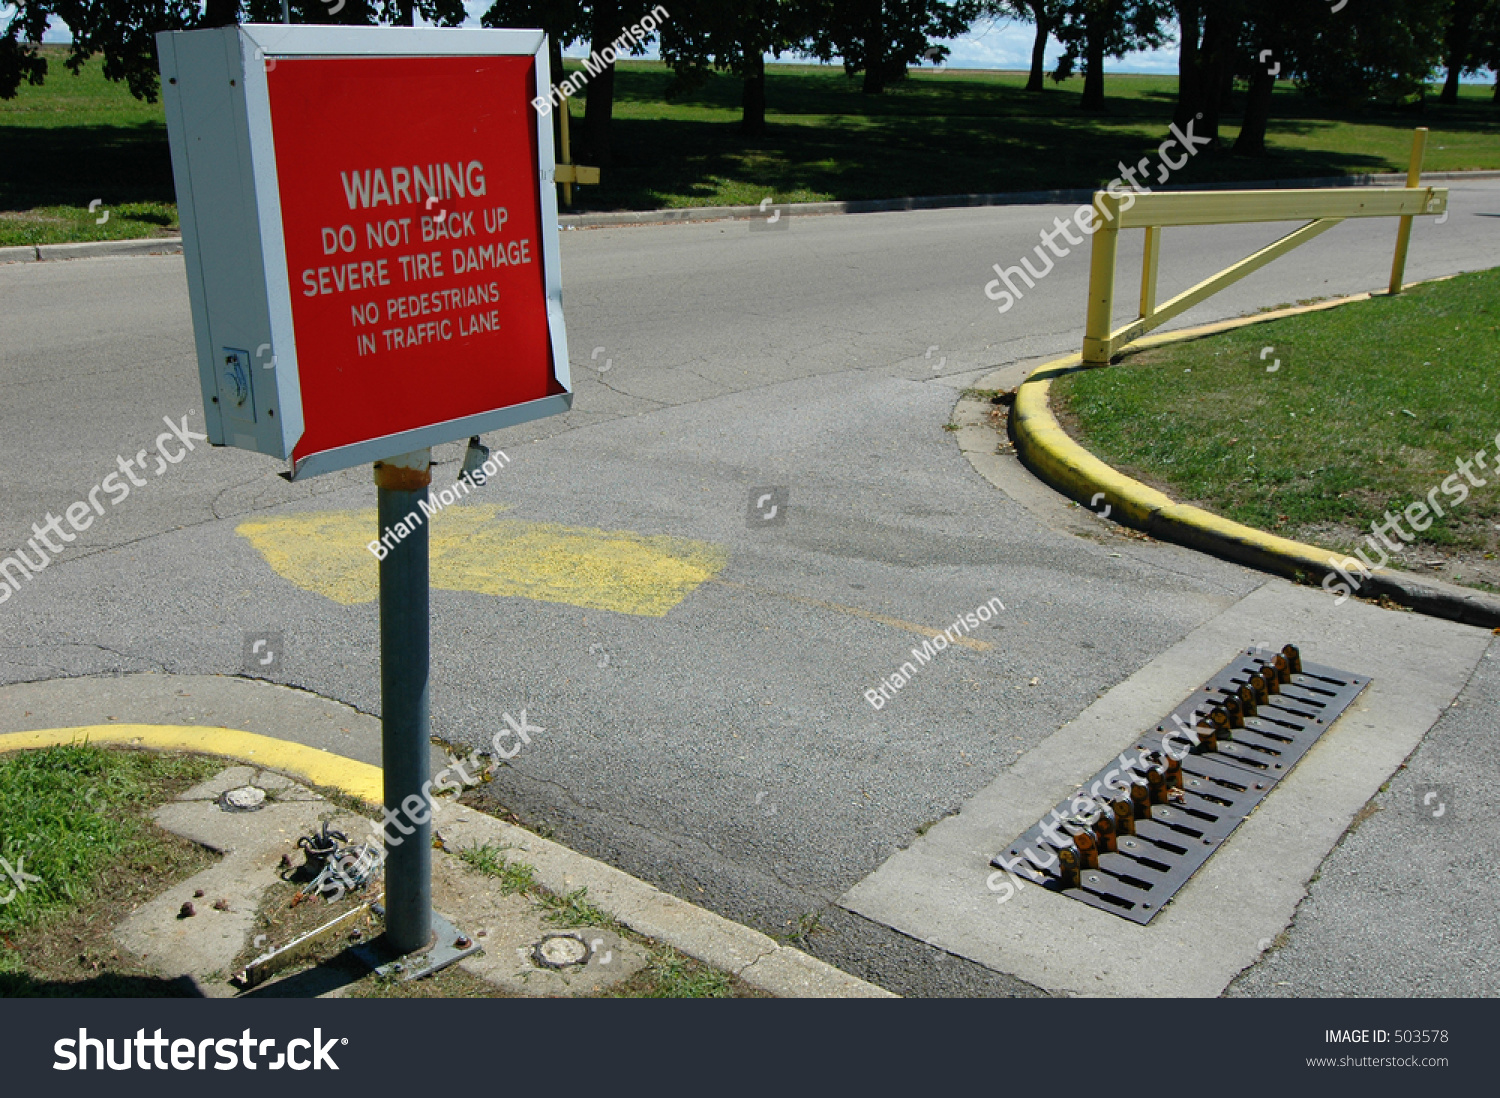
x=369 y=280
x=404 y=655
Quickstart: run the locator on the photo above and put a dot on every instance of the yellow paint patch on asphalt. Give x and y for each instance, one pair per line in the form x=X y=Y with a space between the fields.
x=296 y=760
x=473 y=549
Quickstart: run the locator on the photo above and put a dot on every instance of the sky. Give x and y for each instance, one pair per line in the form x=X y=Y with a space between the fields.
x=997 y=44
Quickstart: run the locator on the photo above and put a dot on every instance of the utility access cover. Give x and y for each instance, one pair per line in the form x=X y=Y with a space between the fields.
x=1132 y=835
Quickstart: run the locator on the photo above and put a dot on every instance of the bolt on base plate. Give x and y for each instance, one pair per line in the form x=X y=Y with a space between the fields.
x=450 y=945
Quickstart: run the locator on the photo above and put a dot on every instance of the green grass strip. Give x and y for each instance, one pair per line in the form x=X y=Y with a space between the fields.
x=1371 y=407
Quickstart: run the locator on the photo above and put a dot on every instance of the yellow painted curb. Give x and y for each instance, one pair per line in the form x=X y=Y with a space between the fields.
x=296 y=760
x=1065 y=465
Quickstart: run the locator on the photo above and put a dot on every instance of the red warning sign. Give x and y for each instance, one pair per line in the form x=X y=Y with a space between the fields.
x=411 y=240
x=372 y=247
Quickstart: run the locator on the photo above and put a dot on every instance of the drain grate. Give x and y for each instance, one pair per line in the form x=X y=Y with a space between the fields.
x=1132 y=835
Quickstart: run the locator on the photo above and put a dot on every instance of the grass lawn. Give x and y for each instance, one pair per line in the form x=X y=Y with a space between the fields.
x=78 y=817
x=1371 y=408
x=76 y=139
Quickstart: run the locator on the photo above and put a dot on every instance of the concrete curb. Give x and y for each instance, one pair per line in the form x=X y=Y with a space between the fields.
x=171 y=245
x=92 y=249
x=1081 y=195
x=1050 y=453
x=759 y=960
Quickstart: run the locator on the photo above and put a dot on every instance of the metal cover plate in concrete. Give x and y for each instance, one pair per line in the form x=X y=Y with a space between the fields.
x=1136 y=873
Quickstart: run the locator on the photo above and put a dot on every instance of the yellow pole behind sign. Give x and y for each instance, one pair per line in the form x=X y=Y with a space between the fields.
x=567 y=151
x=1403 y=234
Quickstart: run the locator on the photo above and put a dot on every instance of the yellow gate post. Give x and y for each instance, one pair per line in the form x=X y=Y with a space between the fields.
x=1102 y=280
x=1148 y=269
x=1403 y=234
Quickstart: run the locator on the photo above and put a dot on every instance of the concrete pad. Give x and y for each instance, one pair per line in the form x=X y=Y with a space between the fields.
x=755 y=957
x=509 y=928
x=203 y=947
x=1247 y=892
x=1406 y=905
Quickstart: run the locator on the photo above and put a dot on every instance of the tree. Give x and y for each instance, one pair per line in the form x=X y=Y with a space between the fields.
x=1386 y=55
x=352 y=13
x=735 y=35
x=125 y=38
x=1045 y=16
x=1488 y=46
x=1096 y=29
x=123 y=32
x=1464 y=41
x=880 y=38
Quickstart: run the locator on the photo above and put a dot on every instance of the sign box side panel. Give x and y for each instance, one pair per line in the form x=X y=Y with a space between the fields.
x=276 y=359
x=551 y=250
x=227 y=256
x=166 y=49
x=412 y=207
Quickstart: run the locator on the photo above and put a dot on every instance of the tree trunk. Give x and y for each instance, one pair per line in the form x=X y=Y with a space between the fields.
x=1034 y=82
x=1456 y=42
x=1093 y=71
x=1214 y=71
x=599 y=106
x=1450 y=86
x=753 y=101
x=875 y=75
x=221 y=13
x=1189 y=63
x=1252 y=138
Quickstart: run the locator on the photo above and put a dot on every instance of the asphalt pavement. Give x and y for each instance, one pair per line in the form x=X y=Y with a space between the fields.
x=700 y=672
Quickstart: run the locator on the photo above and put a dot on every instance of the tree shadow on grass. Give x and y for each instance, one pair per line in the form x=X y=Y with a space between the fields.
x=73 y=165
x=951 y=135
